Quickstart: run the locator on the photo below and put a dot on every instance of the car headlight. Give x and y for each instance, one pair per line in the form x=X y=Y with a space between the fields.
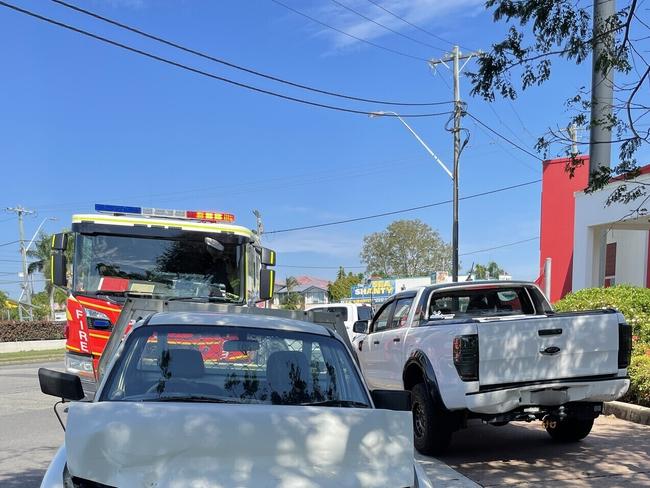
x=97 y=319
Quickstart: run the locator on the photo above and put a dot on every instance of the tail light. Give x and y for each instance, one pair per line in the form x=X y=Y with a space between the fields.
x=465 y=352
x=624 y=345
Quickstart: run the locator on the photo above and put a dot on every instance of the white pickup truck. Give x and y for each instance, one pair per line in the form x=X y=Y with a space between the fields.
x=494 y=351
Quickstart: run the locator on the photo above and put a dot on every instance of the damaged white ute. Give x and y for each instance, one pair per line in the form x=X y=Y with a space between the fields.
x=232 y=400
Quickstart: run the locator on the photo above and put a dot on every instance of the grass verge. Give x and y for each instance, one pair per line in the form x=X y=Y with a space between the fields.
x=31 y=356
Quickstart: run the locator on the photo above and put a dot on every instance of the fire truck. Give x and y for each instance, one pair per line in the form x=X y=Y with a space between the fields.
x=174 y=255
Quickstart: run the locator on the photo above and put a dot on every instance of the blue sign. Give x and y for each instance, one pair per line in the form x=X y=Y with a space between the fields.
x=376 y=290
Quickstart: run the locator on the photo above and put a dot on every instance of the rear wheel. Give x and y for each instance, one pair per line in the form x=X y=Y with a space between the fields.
x=570 y=429
x=431 y=426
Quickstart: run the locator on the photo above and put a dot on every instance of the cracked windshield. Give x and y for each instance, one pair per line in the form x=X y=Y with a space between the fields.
x=166 y=268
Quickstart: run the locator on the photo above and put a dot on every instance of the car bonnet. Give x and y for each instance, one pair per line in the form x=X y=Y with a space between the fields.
x=173 y=444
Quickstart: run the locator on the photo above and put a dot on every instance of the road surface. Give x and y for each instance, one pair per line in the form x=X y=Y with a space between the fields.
x=617 y=453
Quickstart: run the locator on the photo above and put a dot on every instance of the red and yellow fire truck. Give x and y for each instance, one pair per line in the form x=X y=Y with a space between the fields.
x=123 y=251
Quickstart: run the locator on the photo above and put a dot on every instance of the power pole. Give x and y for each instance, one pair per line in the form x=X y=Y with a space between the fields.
x=455 y=57
x=602 y=93
x=27 y=292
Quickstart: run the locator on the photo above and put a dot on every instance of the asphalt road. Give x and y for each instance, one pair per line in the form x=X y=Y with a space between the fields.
x=617 y=453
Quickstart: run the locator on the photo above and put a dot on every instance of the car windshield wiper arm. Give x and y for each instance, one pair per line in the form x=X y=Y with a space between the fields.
x=337 y=403
x=204 y=298
x=188 y=399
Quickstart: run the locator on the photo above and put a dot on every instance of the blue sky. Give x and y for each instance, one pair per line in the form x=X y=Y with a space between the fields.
x=83 y=122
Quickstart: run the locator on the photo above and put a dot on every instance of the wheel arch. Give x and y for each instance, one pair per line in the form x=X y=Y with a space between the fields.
x=418 y=369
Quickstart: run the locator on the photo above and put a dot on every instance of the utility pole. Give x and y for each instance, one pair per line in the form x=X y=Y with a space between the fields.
x=27 y=293
x=455 y=57
x=602 y=93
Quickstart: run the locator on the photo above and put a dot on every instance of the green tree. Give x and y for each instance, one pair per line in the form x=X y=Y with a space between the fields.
x=41 y=254
x=7 y=309
x=490 y=271
x=406 y=248
x=292 y=300
x=340 y=288
x=543 y=30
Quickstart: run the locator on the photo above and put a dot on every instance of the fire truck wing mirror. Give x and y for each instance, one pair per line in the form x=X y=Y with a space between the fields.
x=268 y=257
x=60 y=242
x=58 y=268
x=61 y=385
x=267 y=284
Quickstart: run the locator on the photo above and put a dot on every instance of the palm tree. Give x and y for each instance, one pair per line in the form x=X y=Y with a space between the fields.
x=42 y=252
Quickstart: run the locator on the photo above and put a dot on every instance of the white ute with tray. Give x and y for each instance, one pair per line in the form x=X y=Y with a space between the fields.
x=494 y=351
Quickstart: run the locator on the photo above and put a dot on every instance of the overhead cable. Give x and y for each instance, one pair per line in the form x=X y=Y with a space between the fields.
x=500 y=247
x=420 y=207
x=236 y=66
x=369 y=19
x=198 y=71
x=436 y=36
x=360 y=39
x=509 y=141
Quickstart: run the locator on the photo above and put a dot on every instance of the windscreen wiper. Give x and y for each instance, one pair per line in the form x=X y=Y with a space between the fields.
x=337 y=403
x=188 y=399
x=212 y=299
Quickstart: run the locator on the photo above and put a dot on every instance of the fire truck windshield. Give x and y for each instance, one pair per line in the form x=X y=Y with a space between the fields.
x=200 y=266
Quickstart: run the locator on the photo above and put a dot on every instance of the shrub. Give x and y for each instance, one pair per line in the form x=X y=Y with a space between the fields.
x=639 y=370
x=12 y=331
x=632 y=301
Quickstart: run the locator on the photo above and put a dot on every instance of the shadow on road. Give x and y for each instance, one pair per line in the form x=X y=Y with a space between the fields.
x=30 y=478
x=615 y=452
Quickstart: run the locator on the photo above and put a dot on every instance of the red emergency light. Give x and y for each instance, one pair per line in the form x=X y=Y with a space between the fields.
x=210 y=216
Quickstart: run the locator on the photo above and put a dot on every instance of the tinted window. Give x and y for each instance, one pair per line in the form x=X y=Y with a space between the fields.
x=234 y=365
x=481 y=302
x=340 y=310
x=364 y=313
x=401 y=313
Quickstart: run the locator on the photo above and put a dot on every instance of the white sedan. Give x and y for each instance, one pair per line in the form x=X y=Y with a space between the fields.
x=232 y=400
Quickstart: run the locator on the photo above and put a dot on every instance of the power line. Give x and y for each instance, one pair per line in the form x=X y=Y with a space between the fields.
x=501 y=246
x=505 y=138
x=412 y=39
x=236 y=66
x=195 y=70
x=420 y=207
x=9 y=243
x=394 y=51
x=436 y=36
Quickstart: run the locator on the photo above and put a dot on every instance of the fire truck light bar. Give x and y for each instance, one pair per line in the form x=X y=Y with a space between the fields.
x=161 y=212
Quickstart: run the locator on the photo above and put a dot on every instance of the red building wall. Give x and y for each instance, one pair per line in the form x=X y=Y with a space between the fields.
x=557 y=221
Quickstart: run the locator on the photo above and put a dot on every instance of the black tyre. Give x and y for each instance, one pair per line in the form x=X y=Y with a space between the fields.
x=432 y=428
x=570 y=429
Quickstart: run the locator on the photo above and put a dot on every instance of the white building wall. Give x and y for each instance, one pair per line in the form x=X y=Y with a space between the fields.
x=593 y=218
x=631 y=256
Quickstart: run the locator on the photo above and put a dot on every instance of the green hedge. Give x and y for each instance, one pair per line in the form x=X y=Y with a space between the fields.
x=634 y=303
x=12 y=331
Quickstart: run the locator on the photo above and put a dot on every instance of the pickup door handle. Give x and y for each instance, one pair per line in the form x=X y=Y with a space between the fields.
x=375 y=342
x=396 y=339
x=548 y=332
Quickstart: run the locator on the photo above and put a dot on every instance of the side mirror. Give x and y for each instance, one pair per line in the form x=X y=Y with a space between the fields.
x=392 y=400
x=268 y=257
x=360 y=327
x=267 y=284
x=61 y=385
x=60 y=242
x=58 y=267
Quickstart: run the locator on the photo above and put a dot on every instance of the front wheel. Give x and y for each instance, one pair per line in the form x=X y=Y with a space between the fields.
x=431 y=426
x=570 y=429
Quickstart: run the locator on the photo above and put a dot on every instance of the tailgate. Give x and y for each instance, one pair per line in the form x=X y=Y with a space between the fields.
x=562 y=346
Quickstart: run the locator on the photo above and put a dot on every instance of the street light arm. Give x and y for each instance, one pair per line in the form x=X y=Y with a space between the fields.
x=37 y=231
x=433 y=155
